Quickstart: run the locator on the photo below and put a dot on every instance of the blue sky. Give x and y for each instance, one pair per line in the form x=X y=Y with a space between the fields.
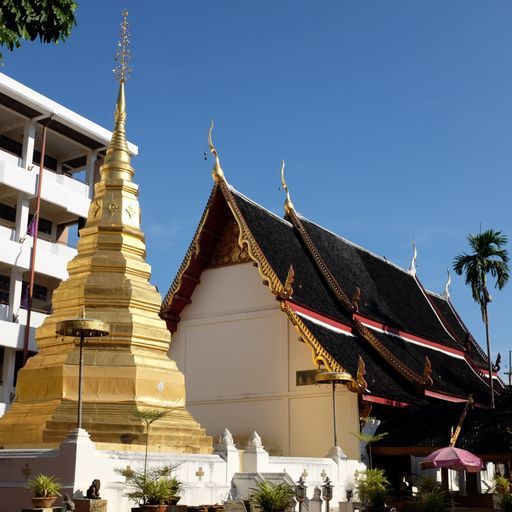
x=394 y=118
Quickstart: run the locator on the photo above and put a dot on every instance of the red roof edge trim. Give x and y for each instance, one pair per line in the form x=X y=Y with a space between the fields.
x=384 y=401
x=486 y=373
x=442 y=396
x=408 y=336
x=321 y=318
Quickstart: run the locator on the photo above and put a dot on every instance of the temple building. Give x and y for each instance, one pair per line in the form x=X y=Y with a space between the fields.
x=261 y=304
x=73 y=147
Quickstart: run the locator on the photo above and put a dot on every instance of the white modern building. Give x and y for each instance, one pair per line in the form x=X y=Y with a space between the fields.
x=74 y=149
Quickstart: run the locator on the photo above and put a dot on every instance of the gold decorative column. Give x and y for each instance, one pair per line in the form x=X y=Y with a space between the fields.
x=130 y=368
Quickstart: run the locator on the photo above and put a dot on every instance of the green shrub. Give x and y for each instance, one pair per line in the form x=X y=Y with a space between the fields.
x=433 y=500
x=506 y=502
x=372 y=487
x=427 y=484
x=44 y=486
x=501 y=485
x=273 y=497
x=155 y=487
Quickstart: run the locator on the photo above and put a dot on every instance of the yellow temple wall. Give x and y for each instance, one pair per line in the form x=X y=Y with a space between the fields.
x=240 y=355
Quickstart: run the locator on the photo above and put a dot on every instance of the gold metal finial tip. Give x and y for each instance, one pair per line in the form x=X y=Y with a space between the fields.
x=123 y=57
x=217 y=172
x=288 y=205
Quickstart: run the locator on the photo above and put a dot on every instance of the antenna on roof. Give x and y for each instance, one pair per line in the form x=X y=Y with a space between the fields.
x=412 y=268
x=446 y=293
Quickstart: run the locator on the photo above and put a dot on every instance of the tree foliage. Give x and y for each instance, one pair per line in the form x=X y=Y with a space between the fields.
x=488 y=256
x=50 y=21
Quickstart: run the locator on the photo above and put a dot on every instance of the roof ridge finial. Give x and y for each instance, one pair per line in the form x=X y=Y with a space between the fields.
x=288 y=205
x=217 y=172
x=118 y=154
x=446 y=293
x=412 y=268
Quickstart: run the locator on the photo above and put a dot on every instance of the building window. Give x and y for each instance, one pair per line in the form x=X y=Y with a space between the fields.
x=4 y=289
x=44 y=226
x=7 y=213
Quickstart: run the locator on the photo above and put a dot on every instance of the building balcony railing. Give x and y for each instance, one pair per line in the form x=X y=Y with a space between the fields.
x=13 y=332
x=58 y=189
x=51 y=258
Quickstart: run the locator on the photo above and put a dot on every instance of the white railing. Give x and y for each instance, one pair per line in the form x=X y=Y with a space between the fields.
x=59 y=189
x=7 y=233
x=51 y=259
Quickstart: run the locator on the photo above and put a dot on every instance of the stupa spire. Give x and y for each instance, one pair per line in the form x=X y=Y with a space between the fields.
x=128 y=370
x=117 y=159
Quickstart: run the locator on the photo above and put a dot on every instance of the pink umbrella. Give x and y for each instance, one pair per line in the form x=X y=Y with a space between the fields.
x=453 y=458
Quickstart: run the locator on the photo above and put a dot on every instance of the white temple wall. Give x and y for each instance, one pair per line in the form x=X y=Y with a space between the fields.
x=207 y=479
x=240 y=355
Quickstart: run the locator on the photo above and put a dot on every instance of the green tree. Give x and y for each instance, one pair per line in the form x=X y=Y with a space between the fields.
x=49 y=21
x=148 y=417
x=488 y=257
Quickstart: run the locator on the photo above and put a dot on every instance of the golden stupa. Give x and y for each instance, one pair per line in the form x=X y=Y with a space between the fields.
x=127 y=371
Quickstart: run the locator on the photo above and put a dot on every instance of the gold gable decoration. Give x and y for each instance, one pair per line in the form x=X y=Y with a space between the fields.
x=228 y=251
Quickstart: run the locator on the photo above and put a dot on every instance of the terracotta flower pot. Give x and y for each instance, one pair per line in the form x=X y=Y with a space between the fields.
x=44 y=501
x=154 y=508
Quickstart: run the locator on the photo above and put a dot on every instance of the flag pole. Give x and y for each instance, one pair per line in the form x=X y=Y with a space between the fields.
x=35 y=228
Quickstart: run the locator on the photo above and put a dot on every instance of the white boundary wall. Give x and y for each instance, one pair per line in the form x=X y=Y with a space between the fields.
x=207 y=478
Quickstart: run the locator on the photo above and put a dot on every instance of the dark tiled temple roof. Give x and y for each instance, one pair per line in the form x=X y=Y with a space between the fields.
x=327 y=271
x=382 y=380
x=279 y=242
x=389 y=294
x=455 y=325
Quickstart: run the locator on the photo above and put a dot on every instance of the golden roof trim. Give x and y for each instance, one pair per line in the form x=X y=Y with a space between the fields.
x=322 y=266
x=405 y=371
x=319 y=352
x=217 y=172
x=245 y=236
x=350 y=307
x=288 y=205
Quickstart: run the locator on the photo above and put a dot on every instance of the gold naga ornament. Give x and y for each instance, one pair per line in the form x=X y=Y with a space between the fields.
x=127 y=371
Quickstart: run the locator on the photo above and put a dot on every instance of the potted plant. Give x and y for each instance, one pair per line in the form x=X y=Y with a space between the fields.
x=153 y=489
x=273 y=497
x=46 y=489
x=372 y=488
x=175 y=486
x=430 y=497
x=501 y=489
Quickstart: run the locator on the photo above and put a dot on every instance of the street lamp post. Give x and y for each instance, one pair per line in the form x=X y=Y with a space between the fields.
x=82 y=328
x=300 y=492
x=327 y=492
x=333 y=378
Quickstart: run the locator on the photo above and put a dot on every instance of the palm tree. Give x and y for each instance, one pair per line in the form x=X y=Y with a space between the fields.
x=489 y=256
